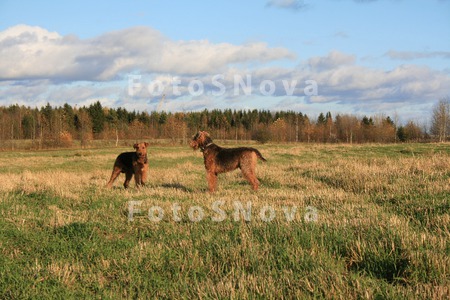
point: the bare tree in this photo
(440, 123)
(347, 127)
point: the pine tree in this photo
(97, 117)
(321, 120)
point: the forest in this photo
(66, 126)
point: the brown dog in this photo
(220, 160)
(131, 163)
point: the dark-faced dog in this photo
(131, 163)
(220, 160)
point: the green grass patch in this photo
(381, 228)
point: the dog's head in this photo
(200, 140)
(141, 149)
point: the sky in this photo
(362, 57)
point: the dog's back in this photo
(124, 161)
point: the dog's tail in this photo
(259, 155)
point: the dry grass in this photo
(382, 229)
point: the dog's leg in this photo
(138, 178)
(248, 171)
(144, 174)
(249, 175)
(212, 181)
(128, 177)
(115, 173)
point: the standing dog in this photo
(220, 160)
(131, 163)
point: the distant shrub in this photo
(65, 139)
(261, 135)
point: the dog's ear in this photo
(146, 144)
(135, 146)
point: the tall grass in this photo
(382, 227)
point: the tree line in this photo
(62, 126)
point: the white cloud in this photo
(39, 66)
(35, 53)
(12, 92)
(411, 55)
(332, 60)
(202, 57)
(355, 85)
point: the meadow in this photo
(329, 222)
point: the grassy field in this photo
(329, 221)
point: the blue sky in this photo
(369, 57)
